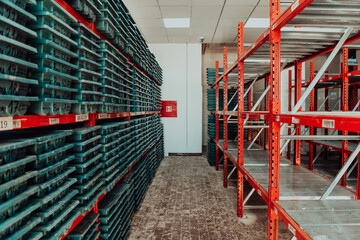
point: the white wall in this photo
(181, 64)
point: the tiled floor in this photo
(187, 201)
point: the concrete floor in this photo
(187, 201)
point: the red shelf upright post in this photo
(267, 107)
(297, 143)
(249, 109)
(289, 108)
(312, 108)
(345, 107)
(240, 155)
(217, 118)
(274, 126)
(225, 117)
(326, 131)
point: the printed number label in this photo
(53, 121)
(82, 117)
(295, 120)
(262, 117)
(292, 229)
(17, 123)
(6, 123)
(104, 115)
(328, 123)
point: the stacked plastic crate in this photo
(211, 75)
(14, 68)
(86, 229)
(16, 204)
(54, 58)
(56, 194)
(87, 8)
(111, 79)
(126, 85)
(89, 88)
(115, 211)
(114, 138)
(88, 166)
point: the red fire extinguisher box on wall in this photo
(168, 109)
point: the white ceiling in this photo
(215, 20)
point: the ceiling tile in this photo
(208, 2)
(203, 22)
(156, 39)
(242, 2)
(145, 12)
(174, 2)
(202, 31)
(176, 12)
(178, 31)
(153, 31)
(179, 39)
(236, 12)
(206, 12)
(230, 22)
(142, 3)
(149, 23)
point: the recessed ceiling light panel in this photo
(176, 22)
(257, 23)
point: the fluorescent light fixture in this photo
(257, 23)
(176, 22)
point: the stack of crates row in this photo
(232, 125)
(51, 64)
(114, 21)
(50, 177)
(211, 75)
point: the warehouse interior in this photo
(189, 119)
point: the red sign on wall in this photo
(169, 109)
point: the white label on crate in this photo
(262, 117)
(330, 148)
(81, 117)
(6, 123)
(53, 121)
(104, 115)
(292, 229)
(277, 118)
(295, 5)
(295, 120)
(259, 192)
(17, 123)
(328, 123)
(349, 74)
(330, 78)
(118, 115)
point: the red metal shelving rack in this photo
(340, 121)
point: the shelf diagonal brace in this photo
(255, 138)
(245, 94)
(322, 70)
(232, 172)
(341, 172)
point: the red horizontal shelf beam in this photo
(32, 121)
(250, 50)
(91, 26)
(79, 218)
(342, 123)
(291, 224)
(329, 146)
